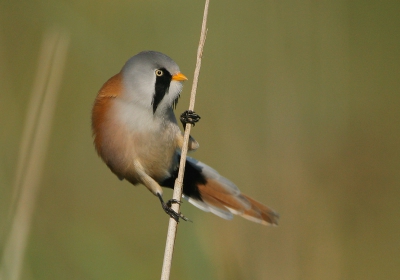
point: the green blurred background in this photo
(300, 107)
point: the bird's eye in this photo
(159, 72)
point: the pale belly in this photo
(156, 151)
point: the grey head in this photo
(149, 80)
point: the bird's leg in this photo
(189, 117)
(167, 208)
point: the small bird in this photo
(137, 135)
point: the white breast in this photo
(145, 137)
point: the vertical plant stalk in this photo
(172, 227)
(33, 148)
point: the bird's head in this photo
(152, 79)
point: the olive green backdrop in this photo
(300, 107)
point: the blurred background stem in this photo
(33, 148)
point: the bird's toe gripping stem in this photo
(189, 116)
(167, 208)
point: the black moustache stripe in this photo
(161, 88)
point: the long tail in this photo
(206, 189)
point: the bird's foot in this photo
(172, 213)
(189, 116)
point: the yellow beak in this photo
(179, 77)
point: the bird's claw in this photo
(173, 201)
(189, 116)
(172, 213)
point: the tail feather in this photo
(208, 207)
(214, 190)
(260, 213)
(221, 197)
(217, 207)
